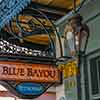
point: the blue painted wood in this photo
(10, 8)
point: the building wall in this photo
(91, 13)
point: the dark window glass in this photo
(94, 76)
(86, 80)
(99, 69)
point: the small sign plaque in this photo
(26, 72)
(30, 88)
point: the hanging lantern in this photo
(76, 34)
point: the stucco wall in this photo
(91, 14)
(89, 10)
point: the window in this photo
(95, 75)
(92, 75)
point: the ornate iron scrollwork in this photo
(9, 8)
(16, 52)
(8, 48)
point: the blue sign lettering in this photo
(30, 88)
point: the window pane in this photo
(94, 76)
(99, 69)
(86, 80)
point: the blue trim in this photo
(10, 8)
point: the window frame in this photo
(88, 57)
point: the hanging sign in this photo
(26, 90)
(29, 72)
